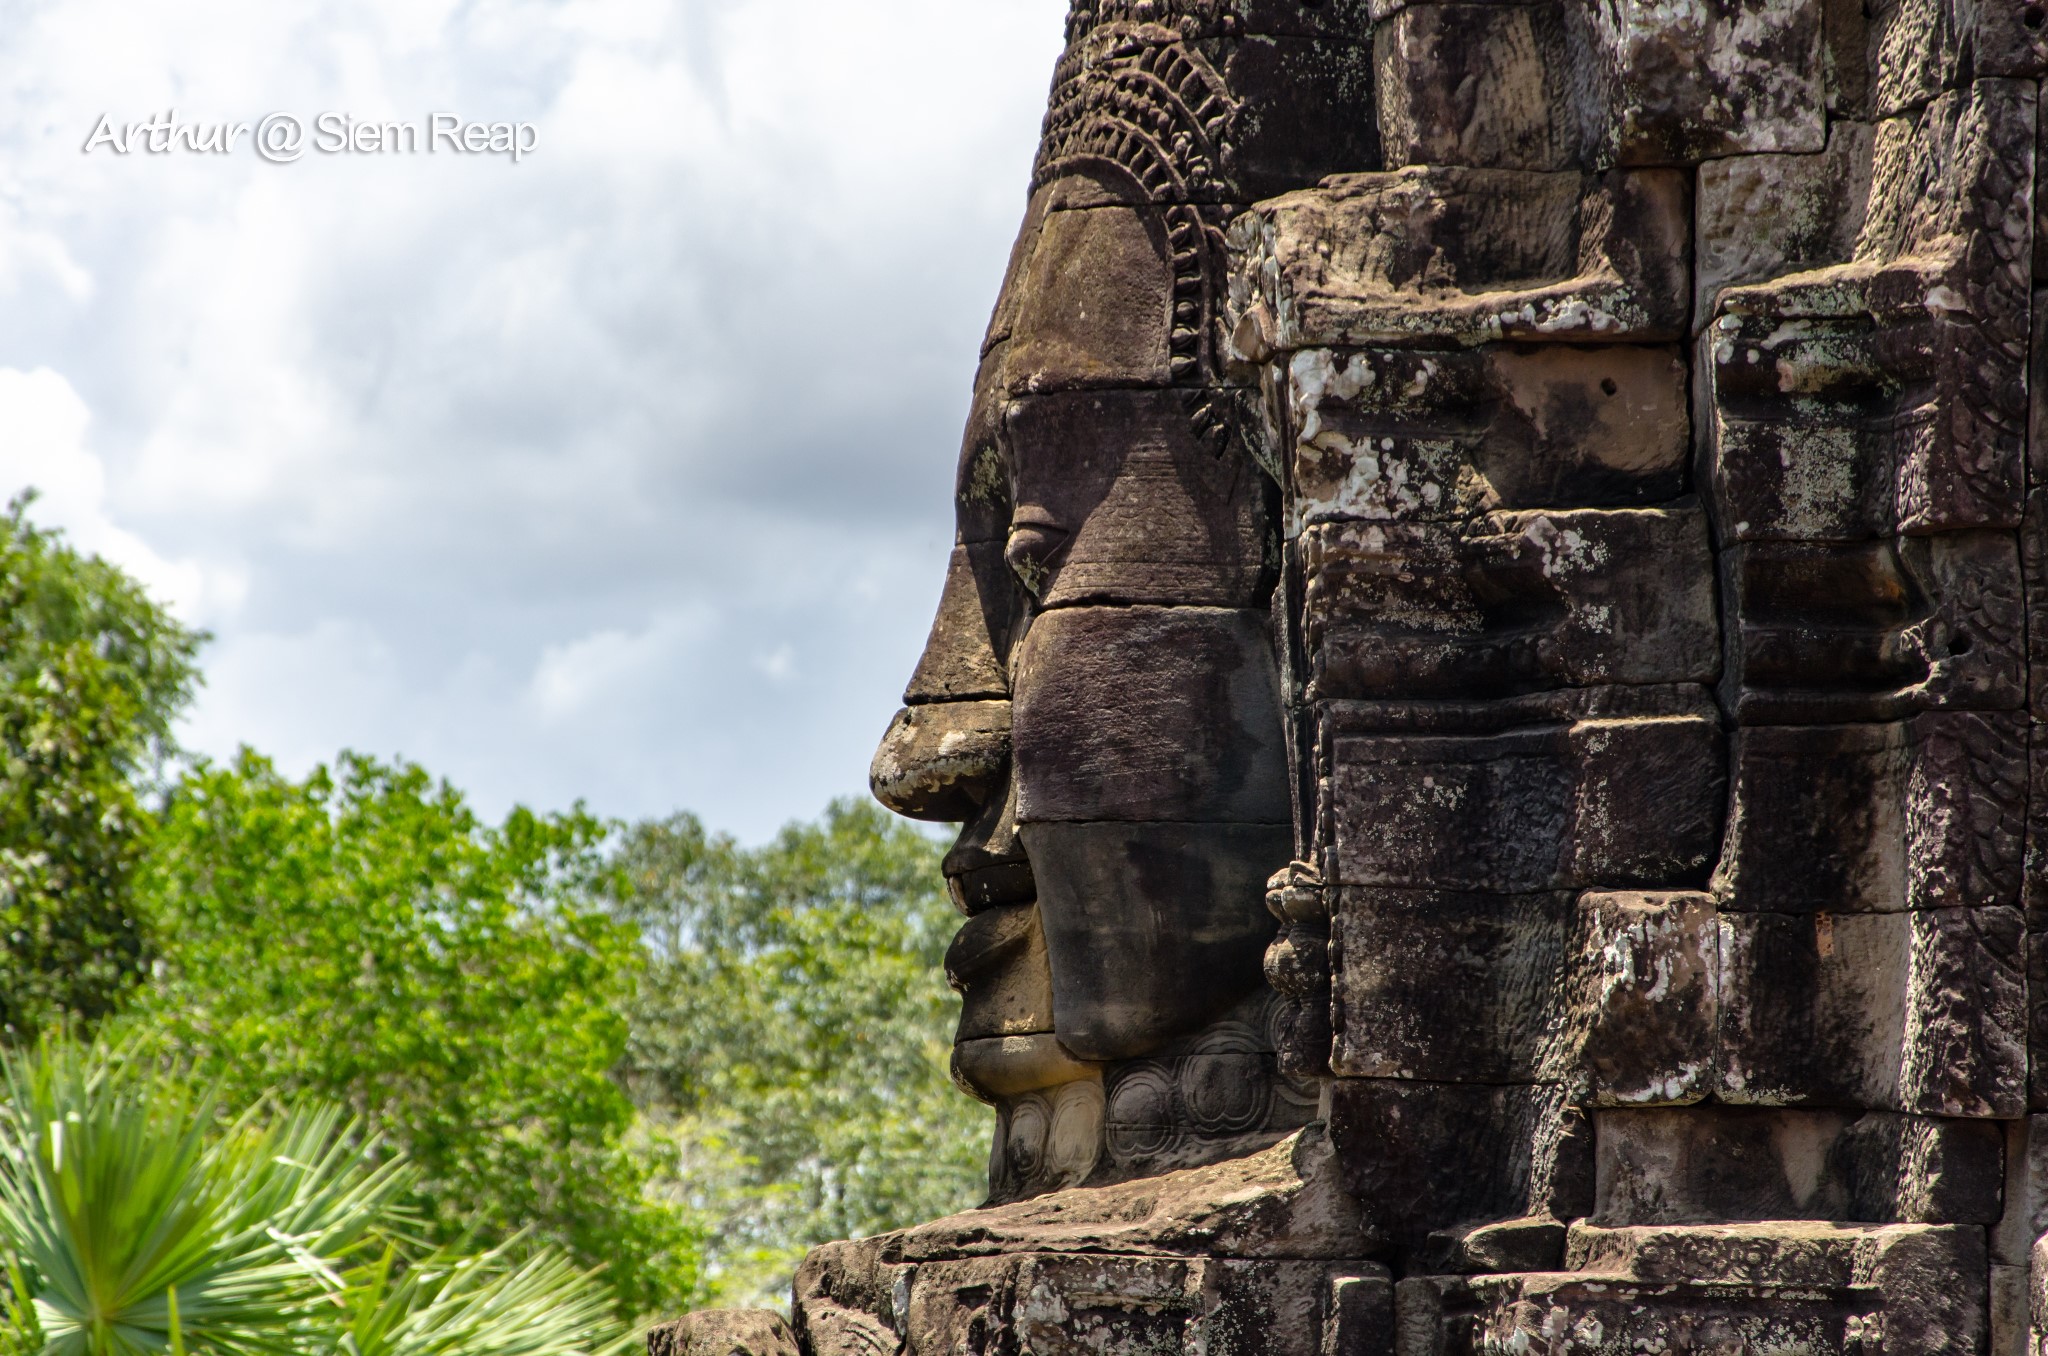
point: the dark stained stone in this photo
(1450, 988)
(1152, 928)
(1921, 1012)
(1323, 124)
(1598, 803)
(1510, 602)
(1120, 500)
(1922, 814)
(1874, 630)
(1489, 85)
(1712, 1164)
(1148, 714)
(1421, 1157)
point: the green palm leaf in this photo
(448, 1304)
(117, 1194)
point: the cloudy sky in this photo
(619, 473)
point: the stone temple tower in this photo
(1494, 674)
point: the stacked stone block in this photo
(1564, 472)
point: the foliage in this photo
(791, 1034)
(60, 598)
(360, 935)
(92, 674)
(133, 1222)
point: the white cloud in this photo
(620, 473)
(47, 450)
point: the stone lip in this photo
(1283, 1203)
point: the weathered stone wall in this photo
(1559, 471)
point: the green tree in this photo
(92, 675)
(791, 1034)
(361, 935)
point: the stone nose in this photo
(942, 761)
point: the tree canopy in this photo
(360, 935)
(790, 1035)
(92, 675)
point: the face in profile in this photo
(1099, 704)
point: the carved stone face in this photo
(1099, 702)
(1110, 582)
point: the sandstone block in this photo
(1922, 48)
(965, 655)
(998, 963)
(2025, 1217)
(1394, 435)
(1761, 216)
(1726, 77)
(1643, 1029)
(1421, 1157)
(1533, 1244)
(1095, 303)
(1914, 427)
(1510, 602)
(1874, 630)
(723, 1332)
(1898, 1288)
(1597, 803)
(1449, 987)
(998, 1069)
(1489, 85)
(1888, 393)
(1149, 714)
(1547, 86)
(1919, 1012)
(981, 479)
(2033, 553)
(1312, 117)
(987, 865)
(1463, 256)
(1120, 500)
(1152, 929)
(1819, 1289)
(1284, 1201)
(1922, 814)
(1123, 1305)
(1708, 1164)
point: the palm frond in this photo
(138, 1227)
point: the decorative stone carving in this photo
(1499, 625)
